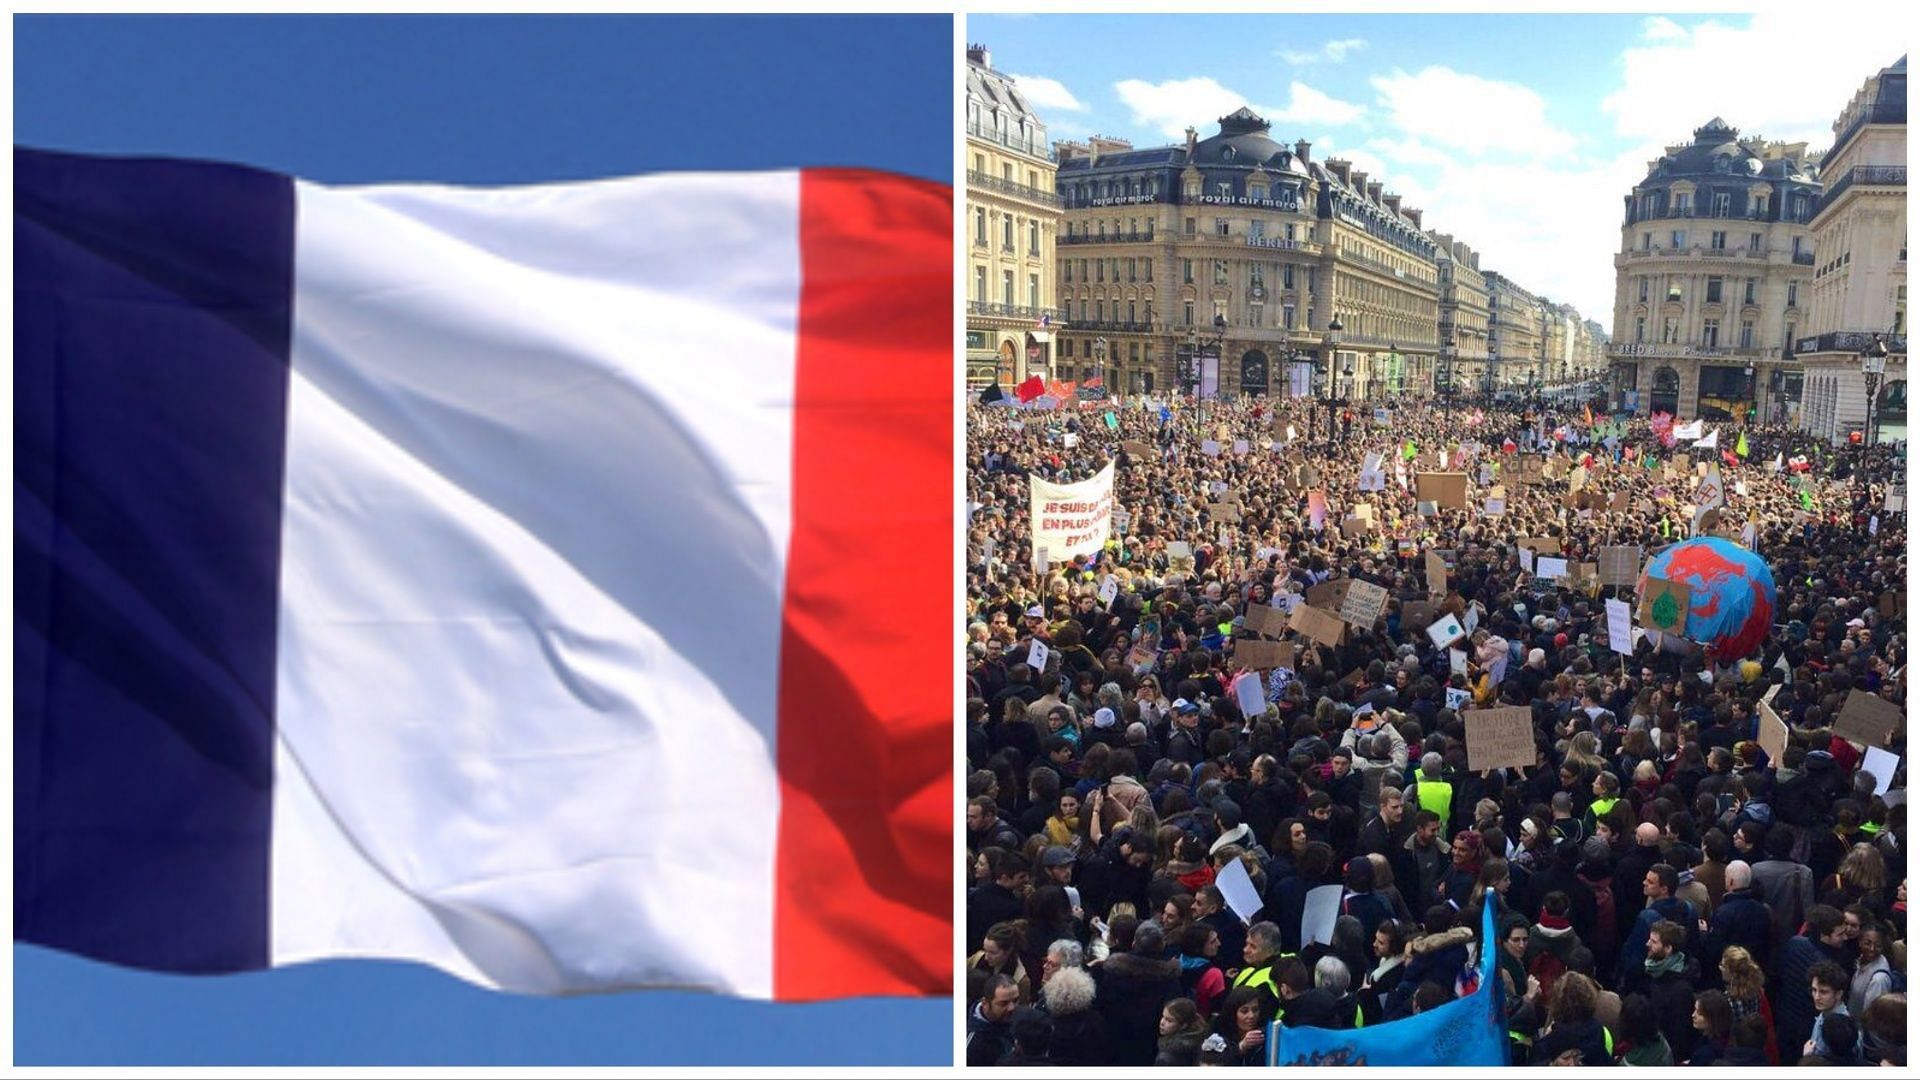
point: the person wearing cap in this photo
(1186, 743)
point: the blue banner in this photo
(1467, 1031)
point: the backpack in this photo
(1606, 925)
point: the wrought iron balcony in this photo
(1109, 238)
(1883, 175)
(1008, 187)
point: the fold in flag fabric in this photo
(483, 578)
(1031, 389)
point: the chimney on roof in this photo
(1373, 190)
(979, 55)
(1413, 216)
(1391, 201)
(1193, 138)
(1359, 181)
(1300, 150)
(1067, 150)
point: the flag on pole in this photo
(1740, 447)
(479, 577)
(1031, 389)
(1711, 442)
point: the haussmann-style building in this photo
(1013, 219)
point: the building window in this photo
(980, 163)
(1796, 245)
(1006, 172)
(1066, 348)
(1722, 202)
(1753, 242)
(1713, 290)
(1670, 333)
(1678, 238)
(1746, 333)
(1188, 313)
(1192, 225)
(1640, 330)
(1683, 204)
(1186, 271)
(1033, 290)
(1255, 313)
(1719, 240)
(1221, 226)
(1643, 290)
(1256, 191)
(1099, 269)
(1147, 267)
(1793, 294)
(1224, 189)
(1219, 271)
(1219, 310)
(1286, 316)
(1131, 312)
(1006, 232)
(1066, 271)
(1710, 335)
(1257, 275)
(1760, 205)
(1256, 229)
(1286, 276)
(1100, 310)
(1148, 312)
(1033, 238)
(1673, 290)
(1746, 296)
(1006, 286)
(980, 226)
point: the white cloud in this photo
(1044, 93)
(1410, 151)
(1310, 106)
(1169, 107)
(1785, 75)
(1332, 52)
(1661, 28)
(1470, 114)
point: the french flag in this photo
(529, 582)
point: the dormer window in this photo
(1257, 191)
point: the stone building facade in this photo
(1012, 224)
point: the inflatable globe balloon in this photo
(1730, 593)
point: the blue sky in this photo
(471, 100)
(1519, 134)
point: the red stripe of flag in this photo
(864, 877)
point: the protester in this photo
(1146, 722)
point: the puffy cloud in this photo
(1784, 75)
(1470, 114)
(1333, 52)
(1044, 93)
(1169, 107)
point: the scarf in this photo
(1656, 968)
(1555, 923)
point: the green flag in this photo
(1409, 451)
(1741, 446)
(1113, 424)
(1806, 500)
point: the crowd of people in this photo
(1664, 892)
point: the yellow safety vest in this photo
(1437, 796)
(1601, 806)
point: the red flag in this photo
(1031, 389)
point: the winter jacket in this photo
(1742, 920)
(1130, 991)
(1792, 999)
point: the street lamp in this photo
(1100, 360)
(1753, 392)
(1448, 351)
(1333, 345)
(1873, 364)
(1776, 382)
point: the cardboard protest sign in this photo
(1266, 620)
(1577, 479)
(1355, 527)
(1542, 545)
(1310, 476)
(1365, 602)
(1619, 627)
(1619, 565)
(1436, 574)
(1221, 511)
(1663, 606)
(1137, 449)
(1893, 603)
(1499, 738)
(1867, 719)
(1773, 735)
(1446, 631)
(1263, 655)
(1447, 489)
(1318, 625)
(1618, 502)
(1328, 594)
(1180, 551)
(1141, 655)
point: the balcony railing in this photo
(1882, 112)
(1009, 187)
(1013, 311)
(1803, 258)
(1030, 146)
(1109, 238)
(1113, 327)
(1886, 175)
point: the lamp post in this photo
(1776, 382)
(1873, 364)
(1753, 393)
(1448, 351)
(1333, 345)
(1100, 360)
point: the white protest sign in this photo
(1873, 525)
(1881, 764)
(1620, 627)
(1473, 618)
(1457, 661)
(1250, 694)
(1037, 655)
(1209, 447)
(1317, 918)
(1238, 891)
(1109, 589)
(1457, 699)
(1071, 519)
(1549, 568)
(1496, 507)
(1240, 446)
(1526, 559)
(1445, 631)
(1070, 440)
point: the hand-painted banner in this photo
(1072, 519)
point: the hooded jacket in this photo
(1131, 989)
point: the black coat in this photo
(988, 904)
(1743, 920)
(1081, 1039)
(1130, 991)
(1793, 1010)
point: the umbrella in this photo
(1730, 590)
